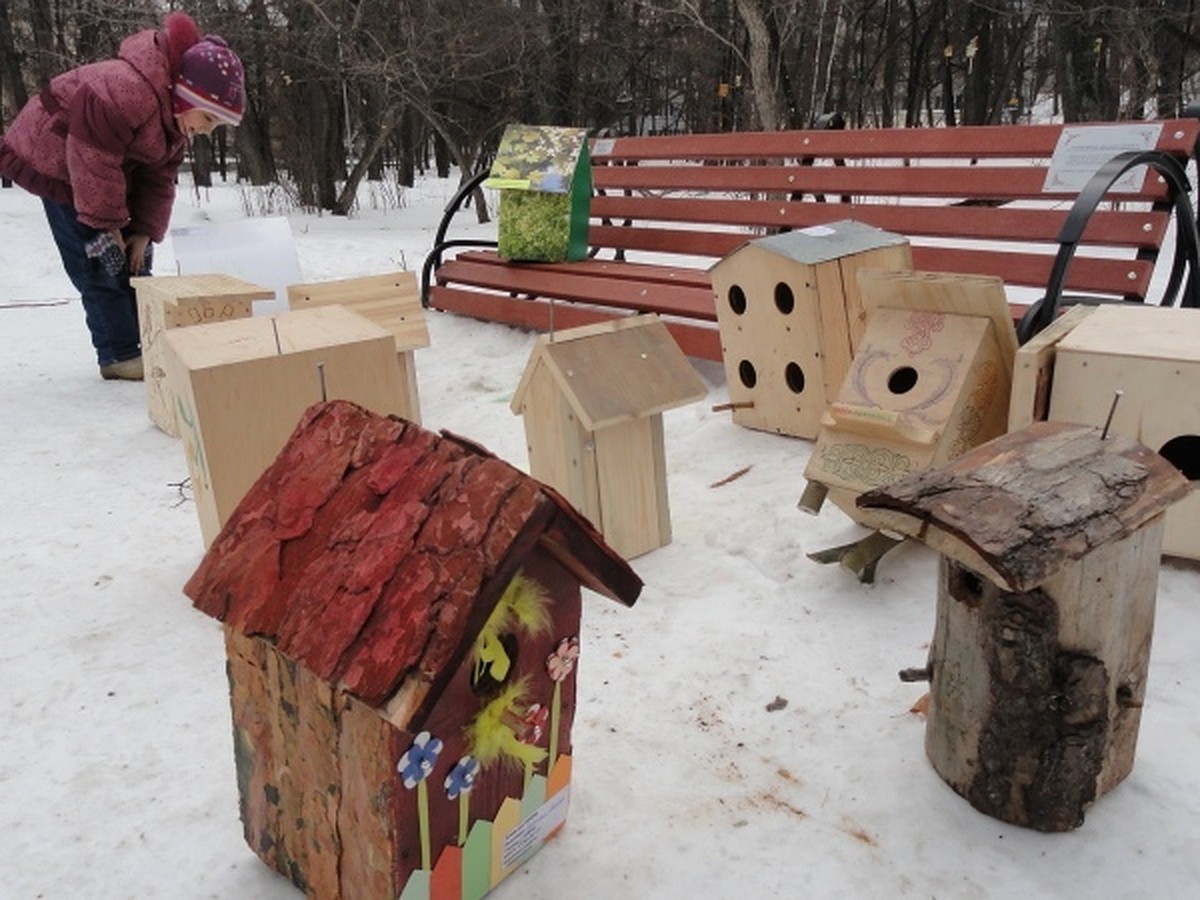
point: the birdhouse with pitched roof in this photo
(545, 184)
(791, 317)
(592, 400)
(929, 381)
(401, 615)
(1049, 540)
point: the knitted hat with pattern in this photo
(210, 78)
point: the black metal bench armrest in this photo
(1187, 241)
(434, 258)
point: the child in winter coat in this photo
(101, 145)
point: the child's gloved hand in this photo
(108, 252)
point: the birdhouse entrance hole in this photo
(747, 373)
(1183, 453)
(903, 380)
(794, 376)
(785, 300)
(737, 300)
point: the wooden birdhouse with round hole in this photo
(929, 380)
(1049, 540)
(402, 615)
(790, 316)
(1071, 371)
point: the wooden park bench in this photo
(970, 200)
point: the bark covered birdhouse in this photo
(929, 381)
(1049, 540)
(402, 616)
(1071, 371)
(592, 400)
(791, 317)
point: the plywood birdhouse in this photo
(930, 380)
(402, 616)
(1072, 371)
(392, 301)
(166, 302)
(1049, 540)
(241, 385)
(592, 400)
(791, 317)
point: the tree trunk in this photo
(768, 105)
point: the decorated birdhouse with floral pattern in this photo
(929, 381)
(401, 614)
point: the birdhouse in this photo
(393, 302)
(930, 380)
(176, 302)
(401, 614)
(241, 385)
(545, 182)
(1049, 540)
(791, 317)
(592, 400)
(1072, 371)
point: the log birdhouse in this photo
(592, 400)
(791, 317)
(930, 380)
(1049, 540)
(1070, 372)
(401, 616)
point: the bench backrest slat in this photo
(1145, 229)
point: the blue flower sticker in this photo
(462, 777)
(418, 761)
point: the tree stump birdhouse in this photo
(402, 615)
(393, 302)
(791, 317)
(592, 400)
(1071, 371)
(1049, 540)
(166, 302)
(930, 380)
(240, 386)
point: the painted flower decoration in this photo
(534, 722)
(462, 777)
(561, 662)
(419, 759)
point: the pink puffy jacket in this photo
(103, 138)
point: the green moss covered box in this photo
(545, 185)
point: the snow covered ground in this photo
(741, 731)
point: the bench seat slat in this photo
(680, 300)
(699, 340)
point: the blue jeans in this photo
(109, 302)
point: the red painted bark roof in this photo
(362, 549)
